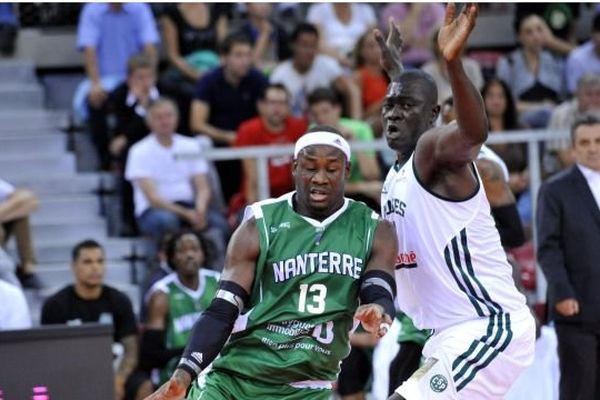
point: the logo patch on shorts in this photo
(438, 383)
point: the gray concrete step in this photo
(48, 144)
(57, 274)
(64, 184)
(80, 205)
(12, 71)
(115, 250)
(69, 232)
(14, 166)
(21, 96)
(31, 121)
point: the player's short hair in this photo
(231, 40)
(323, 94)
(277, 86)
(304, 27)
(139, 61)
(84, 244)
(584, 119)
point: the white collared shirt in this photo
(139, 109)
(593, 179)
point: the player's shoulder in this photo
(115, 295)
(210, 273)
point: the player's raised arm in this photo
(458, 144)
(391, 48)
(213, 327)
(378, 287)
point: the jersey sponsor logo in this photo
(406, 260)
(185, 322)
(328, 262)
(394, 206)
(438, 383)
(283, 225)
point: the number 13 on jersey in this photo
(315, 294)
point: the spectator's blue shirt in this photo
(230, 105)
(116, 36)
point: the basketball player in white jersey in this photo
(452, 273)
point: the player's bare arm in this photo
(213, 328)
(496, 188)
(455, 146)
(391, 48)
(378, 286)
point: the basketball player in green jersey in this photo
(298, 266)
(176, 301)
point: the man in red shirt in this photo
(276, 126)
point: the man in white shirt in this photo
(169, 177)
(307, 71)
(14, 313)
(568, 226)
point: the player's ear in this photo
(347, 168)
(294, 167)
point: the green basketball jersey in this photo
(185, 306)
(304, 296)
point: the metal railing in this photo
(531, 137)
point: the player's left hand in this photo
(373, 319)
(455, 31)
(171, 390)
(391, 49)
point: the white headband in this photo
(322, 138)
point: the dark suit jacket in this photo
(568, 227)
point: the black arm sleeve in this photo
(509, 225)
(379, 287)
(153, 353)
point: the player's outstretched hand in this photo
(391, 61)
(171, 390)
(453, 35)
(373, 319)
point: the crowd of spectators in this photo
(236, 75)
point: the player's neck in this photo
(87, 292)
(190, 282)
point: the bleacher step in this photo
(49, 144)
(21, 96)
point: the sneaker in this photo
(29, 280)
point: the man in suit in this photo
(568, 226)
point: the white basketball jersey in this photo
(451, 266)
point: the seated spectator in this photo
(14, 313)
(586, 101)
(16, 205)
(170, 185)
(364, 182)
(225, 97)
(307, 71)
(371, 80)
(9, 25)
(109, 34)
(273, 126)
(192, 33)
(417, 22)
(436, 69)
(534, 75)
(269, 38)
(560, 20)
(90, 300)
(585, 58)
(174, 304)
(340, 26)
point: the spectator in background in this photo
(586, 101)
(9, 25)
(417, 22)
(225, 97)
(340, 26)
(273, 126)
(169, 177)
(192, 33)
(560, 22)
(436, 69)
(16, 205)
(269, 38)
(14, 313)
(585, 58)
(90, 300)
(174, 304)
(371, 80)
(364, 182)
(307, 71)
(568, 227)
(109, 34)
(502, 117)
(535, 76)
